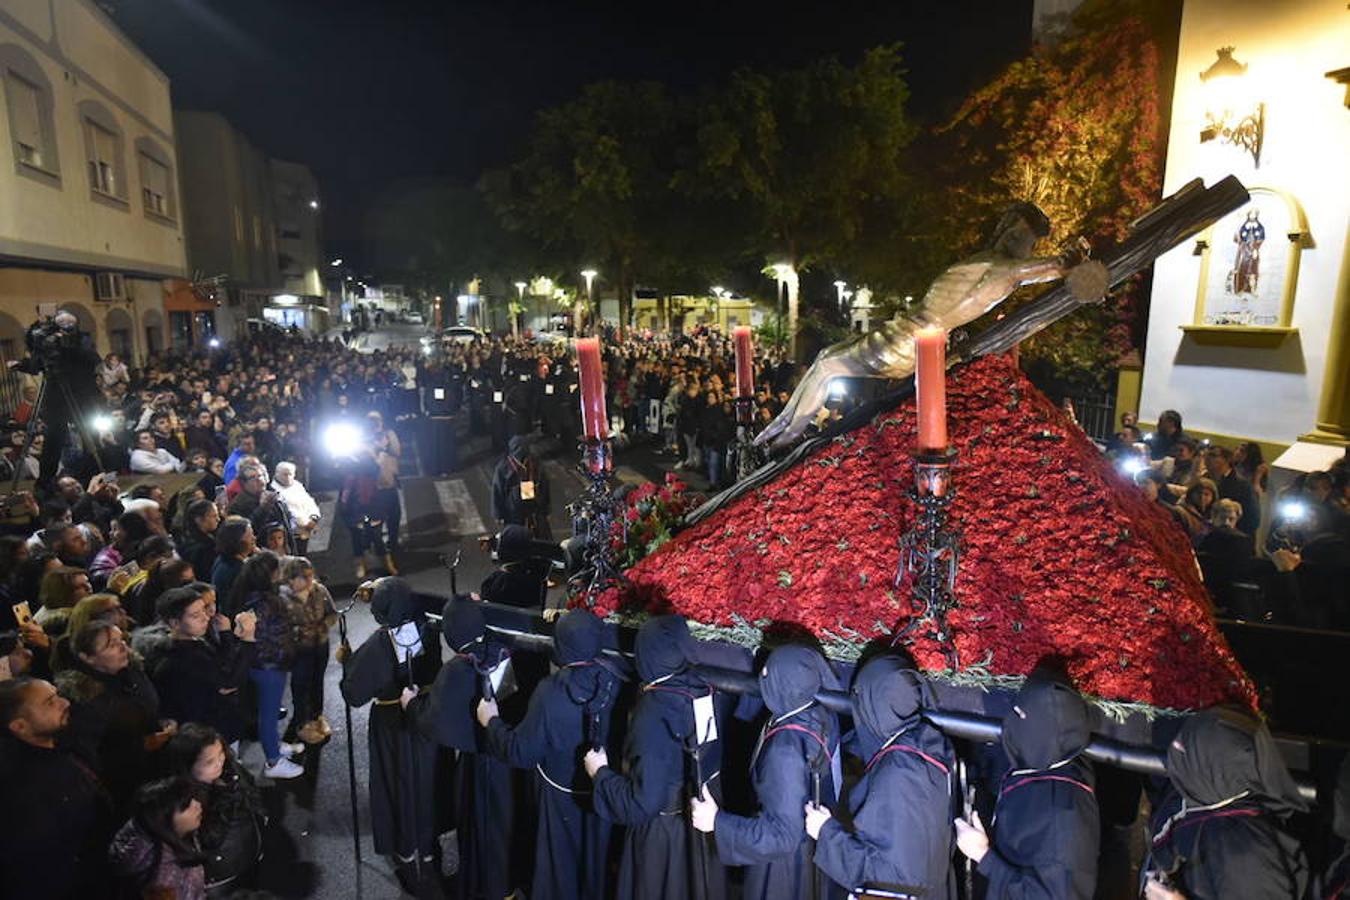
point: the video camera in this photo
(50, 342)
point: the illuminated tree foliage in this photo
(1076, 129)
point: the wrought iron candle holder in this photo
(595, 511)
(748, 457)
(930, 553)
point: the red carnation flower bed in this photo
(1062, 555)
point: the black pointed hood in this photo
(1049, 723)
(888, 696)
(1221, 753)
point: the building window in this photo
(119, 341)
(25, 119)
(156, 186)
(104, 156)
(109, 286)
(102, 159)
(28, 102)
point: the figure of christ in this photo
(961, 294)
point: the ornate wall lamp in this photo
(1231, 115)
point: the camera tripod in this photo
(40, 412)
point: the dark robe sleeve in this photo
(446, 715)
(780, 826)
(894, 829)
(368, 670)
(1245, 858)
(525, 745)
(654, 768)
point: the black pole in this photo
(351, 748)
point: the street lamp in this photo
(839, 292)
(314, 204)
(515, 314)
(336, 262)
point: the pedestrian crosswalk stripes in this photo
(459, 508)
(455, 504)
(323, 535)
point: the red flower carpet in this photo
(1062, 555)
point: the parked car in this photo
(414, 318)
(463, 334)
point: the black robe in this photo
(900, 832)
(1046, 825)
(402, 760)
(492, 856)
(664, 858)
(1046, 832)
(1228, 839)
(1238, 851)
(773, 844)
(572, 842)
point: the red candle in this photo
(745, 362)
(930, 352)
(594, 420)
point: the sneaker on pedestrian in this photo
(289, 750)
(283, 768)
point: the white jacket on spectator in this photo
(160, 462)
(304, 511)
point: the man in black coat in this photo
(66, 355)
(520, 490)
(58, 816)
(1219, 465)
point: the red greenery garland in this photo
(1062, 555)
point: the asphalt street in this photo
(309, 846)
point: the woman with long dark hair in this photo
(199, 536)
(230, 836)
(235, 542)
(256, 591)
(155, 853)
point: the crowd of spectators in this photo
(1281, 557)
(149, 631)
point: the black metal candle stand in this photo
(596, 511)
(930, 553)
(748, 456)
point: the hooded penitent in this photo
(1048, 724)
(1221, 832)
(888, 700)
(665, 651)
(589, 680)
(900, 809)
(392, 603)
(1223, 753)
(518, 447)
(1046, 822)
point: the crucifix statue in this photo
(961, 294)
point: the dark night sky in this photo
(369, 92)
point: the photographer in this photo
(60, 351)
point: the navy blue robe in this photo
(901, 812)
(571, 842)
(664, 858)
(773, 844)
